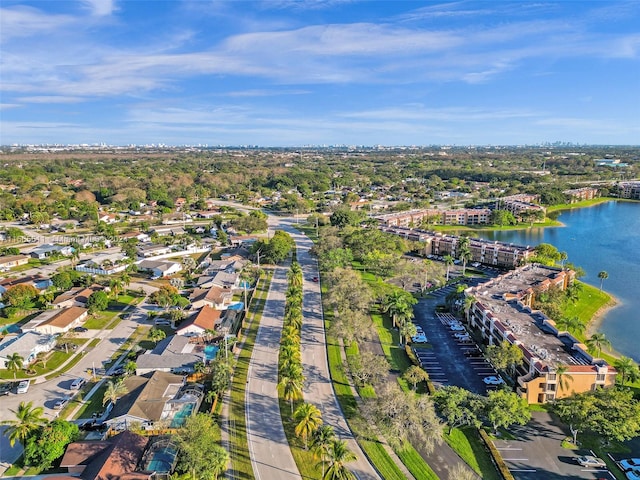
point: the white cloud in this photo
(51, 99)
(100, 8)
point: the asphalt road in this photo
(269, 450)
(318, 387)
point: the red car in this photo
(315, 279)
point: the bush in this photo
(495, 455)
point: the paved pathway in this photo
(318, 388)
(269, 450)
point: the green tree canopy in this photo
(49, 442)
(200, 454)
(98, 301)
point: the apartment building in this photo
(503, 312)
(413, 218)
(579, 194)
(518, 204)
(630, 190)
(491, 253)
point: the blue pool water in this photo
(12, 328)
(210, 352)
(181, 416)
(162, 460)
(236, 306)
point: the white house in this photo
(62, 321)
(159, 268)
(27, 345)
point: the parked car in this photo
(91, 425)
(81, 329)
(316, 279)
(419, 330)
(632, 474)
(78, 383)
(630, 463)
(419, 339)
(493, 380)
(5, 388)
(61, 403)
(118, 371)
(23, 386)
(457, 328)
(591, 461)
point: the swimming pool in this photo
(210, 352)
(181, 416)
(11, 328)
(162, 460)
(236, 306)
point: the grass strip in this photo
(239, 447)
(466, 443)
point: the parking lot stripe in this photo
(508, 448)
(522, 470)
(515, 459)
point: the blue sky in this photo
(312, 72)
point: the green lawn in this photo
(469, 446)
(93, 405)
(99, 320)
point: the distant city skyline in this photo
(313, 72)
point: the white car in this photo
(630, 463)
(23, 387)
(632, 474)
(456, 328)
(493, 380)
(591, 462)
(419, 339)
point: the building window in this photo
(550, 396)
(552, 377)
(551, 387)
(600, 377)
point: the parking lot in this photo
(449, 359)
(535, 452)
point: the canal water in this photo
(604, 237)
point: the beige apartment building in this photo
(579, 194)
(413, 218)
(519, 204)
(503, 312)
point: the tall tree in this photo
(459, 406)
(115, 389)
(596, 342)
(563, 377)
(291, 384)
(602, 276)
(338, 455)
(464, 252)
(414, 375)
(309, 420)
(571, 324)
(627, 370)
(14, 362)
(28, 420)
(448, 261)
(504, 409)
(505, 357)
(49, 442)
(321, 442)
(156, 334)
(200, 453)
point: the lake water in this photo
(604, 237)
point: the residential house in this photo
(47, 249)
(27, 345)
(107, 217)
(156, 398)
(225, 280)
(198, 323)
(10, 261)
(173, 354)
(76, 297)
(159, 268)
(104, 264)
(39, 282)
(164, 231)
(139, 236)
(147, 250)
(116, 458)
(61, 321)
(214, 297)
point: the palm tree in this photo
(115, 284)
(338, 455)
(448, 261)
(114, 391)
(562, 376)
(156, 334)
(571, 325)
(309, 420)
(627, 370)
(28, 419)
(130, 367)
(399, 304)
(294, 275)
(14, 362)
(291, 384)
(596, 342)
(126, 278)
(407, 329)
(320, 442)
(464, 252)
(602, 276)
